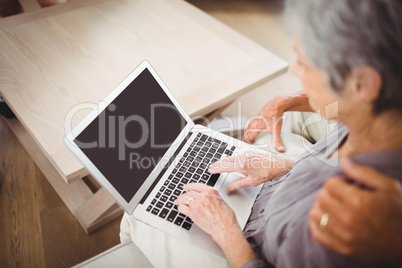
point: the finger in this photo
(276, 135)
(255, 127)
(338, 188)
(335, 212)
(326, 239)
(250, 135)
(242, 183)
(196, 188)
(225, 160)
(367, 176)
(327, 203)
(228, 164)
(183, 199)
(186, 210)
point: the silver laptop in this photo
(142, 148)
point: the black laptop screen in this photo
(128, 139)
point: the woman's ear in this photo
(367, 83)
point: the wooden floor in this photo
(36, 228)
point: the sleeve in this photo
(299, 249)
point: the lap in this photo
(163, 250)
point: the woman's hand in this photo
(362, 223)
(207, 209)
(256, 167)
(270, 118)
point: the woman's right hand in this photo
(270, 118)
(256, 167)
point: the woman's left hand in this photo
(208, 210)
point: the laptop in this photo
(142, 147)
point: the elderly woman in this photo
(349, 54)
(349, 61)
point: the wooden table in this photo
(57, 60)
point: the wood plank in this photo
(73, 195)
(99, 209)
(92, 211)
(55, 65)
(37, 229)
(69, 166)
(66, 243)
(21, 234)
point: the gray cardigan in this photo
(278, 226)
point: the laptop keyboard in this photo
(191, 168)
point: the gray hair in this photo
(340, 35)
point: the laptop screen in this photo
(128, 139)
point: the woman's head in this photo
(340, 37)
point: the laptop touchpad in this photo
(239, 200)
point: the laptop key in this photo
(164, 213)
(179, 221)
(155, 211)
(191, 169)
(172, 186)
(168, 192)
(149, 208)
(159, 205)
(187, 225)
(203, 137)
(169, 205)
(213, 179)
(164, 198)
(172, 215)
(177, 192)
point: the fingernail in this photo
(281, 148)
(230, 190)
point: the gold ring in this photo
(188, 201)
(324, 221)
